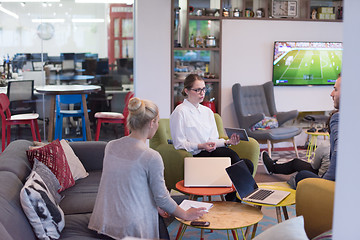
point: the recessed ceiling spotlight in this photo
(44, 4)
(60, 5)
(22, 4)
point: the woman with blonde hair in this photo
(132, 191)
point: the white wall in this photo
(247, 56)
(152, 53)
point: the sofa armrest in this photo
(315, 201)
(248, 150)
(173, 163)
(90, 153)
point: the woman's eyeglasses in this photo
(199, 90)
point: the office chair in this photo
(7, 120)
(21, 96)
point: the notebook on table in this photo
(247, 188)
(206, 172)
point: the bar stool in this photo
(7, 120)
(62, 113)
(113, 117)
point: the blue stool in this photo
(62, 113)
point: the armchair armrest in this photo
(248, 150)
(283, 117)
(173, 164)
(252, 119)
(315, 201)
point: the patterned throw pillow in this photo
(77, 169)
(266, 123)
(324, 236)
(45, 216)
(49, 178)
(53, 156)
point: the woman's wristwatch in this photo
(227, 144)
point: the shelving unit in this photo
(194, 20)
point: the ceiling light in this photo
(105, 1)
(90, 20)
(49, 20)
(8, 12)
(22, 4)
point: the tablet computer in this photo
(239, 131)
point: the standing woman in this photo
(132, 189)
(193, 125)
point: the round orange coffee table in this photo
(204, 191)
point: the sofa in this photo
(77, 201)
(174, 159)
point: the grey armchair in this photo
(252, 104)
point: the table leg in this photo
(52, 118)
(286, 216)
(201, 234)
(255, 226)
(181, 232)
(86, 116)
(235, 234)
(278, 214)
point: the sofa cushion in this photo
(12, 216)
(90, 153)
(290, 229)
(39, 205)
(77, 169)
(53, 156)
(77, 228)
(49, 178)
(14, 159)
(81, 197)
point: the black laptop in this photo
(247, 188)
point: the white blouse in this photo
(190, 126)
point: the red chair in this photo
(7, 120)
(113, 117)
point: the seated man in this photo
(307, 172)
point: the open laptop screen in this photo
(241, 178)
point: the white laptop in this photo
(206, 172)
(247, 188)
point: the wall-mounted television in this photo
(299, 63)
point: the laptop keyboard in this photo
(261, 194)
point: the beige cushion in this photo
(77, 169)
(109, 115)
(290, 229)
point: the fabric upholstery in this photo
(253, 103)
(49, 178)
(14, 159)
(12, 216)
(290, 229)
(15, 168)
(174, 159)
(78, 228)
(315, 201)
(77, 169)
(45, 216)
(81, 197)
(53, 156)
(91, 160)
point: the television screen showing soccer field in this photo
(306, 63)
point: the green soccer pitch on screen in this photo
(306, 63)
